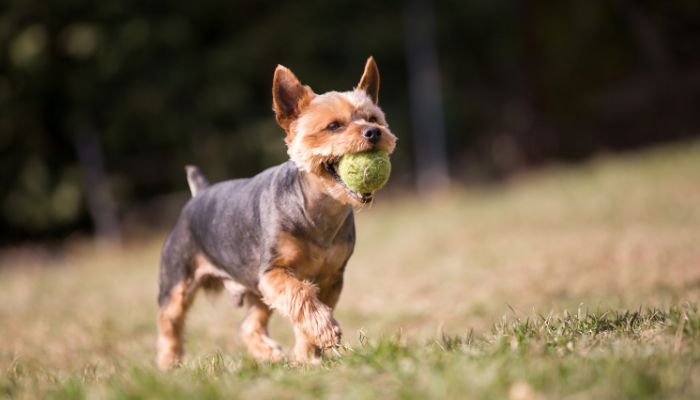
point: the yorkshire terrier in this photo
(281, 239)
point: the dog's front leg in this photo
(328, 295)
(298, 301)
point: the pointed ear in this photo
(370, 80)
(289, 96)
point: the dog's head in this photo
(322, 128)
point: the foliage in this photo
(172, 83)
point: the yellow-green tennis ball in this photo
(364, 172)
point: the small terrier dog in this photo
(281, 239)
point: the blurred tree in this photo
(431, 163)
(97, 192)
(165, 84)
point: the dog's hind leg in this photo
(171, 324)
(177, 290)
(253, 330)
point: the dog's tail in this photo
(196, 179)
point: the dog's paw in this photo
(327, 332)
(168, 359)
(310, 362)
(265, 349)
(302, 358)
(275, 353)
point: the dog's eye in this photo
(334, 126)
(372, 119)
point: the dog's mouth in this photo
(331, 167)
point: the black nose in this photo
(372, 134)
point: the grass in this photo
(632, 355)
(475, 295)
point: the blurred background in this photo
(561, 137)
(102, 103)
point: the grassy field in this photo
(569, 282)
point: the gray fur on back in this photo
(235, 224)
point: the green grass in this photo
(475, 295)
(634, 355)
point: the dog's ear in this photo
(370, 80)
(289, 96)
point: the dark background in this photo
(102, 103)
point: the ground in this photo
(571, 281)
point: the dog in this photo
(281, 239)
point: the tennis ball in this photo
(364, 172)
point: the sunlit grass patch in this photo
(616, 354)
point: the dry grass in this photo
(618, 232)
(615, 232)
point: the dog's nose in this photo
(372, 134)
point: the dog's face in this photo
(322, 128)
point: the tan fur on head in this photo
(290, 97)
(370, 80)
(306, 116)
